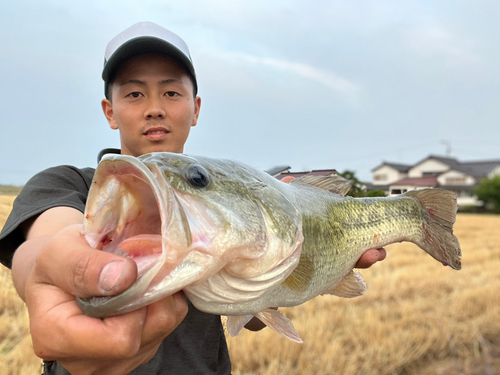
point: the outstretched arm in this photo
(54, 265)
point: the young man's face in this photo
(152, 105)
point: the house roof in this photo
(398, 167)
(473, 168)
(323, 172)
(292, 174)
(417, 181)
(479, 168)
(275, 171)
(453, 163)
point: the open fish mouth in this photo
(187, 222)
(133, 212)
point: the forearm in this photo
(23, 261)
(38, 231)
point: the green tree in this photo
(488, 190)
(376, 193)
(356, 189)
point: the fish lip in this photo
(105, 306)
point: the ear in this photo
(197, 105)
(107, 108)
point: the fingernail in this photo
(110, 275)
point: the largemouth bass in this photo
(240, 243)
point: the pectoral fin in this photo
(352, 285)
(300, 279)
(279, 323)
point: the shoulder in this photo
(64, 185)
(63, 173)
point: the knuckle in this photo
(166, 322)
(41, 262)
(127, 347)
(126, 344)
(167, 319)
(80, 272)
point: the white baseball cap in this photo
(141, 38)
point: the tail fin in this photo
(439, 209)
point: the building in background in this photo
(432, 172)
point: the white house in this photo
(435, 171)
(387, 173)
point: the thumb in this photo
(68, 262)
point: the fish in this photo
(238, 242)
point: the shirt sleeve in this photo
(63, 186)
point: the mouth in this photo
(156, 133)
(133, 213)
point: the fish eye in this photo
(197, 176)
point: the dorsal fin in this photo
(335, 183)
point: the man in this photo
(150, 87)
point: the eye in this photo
(134, 94)
(197, 176)
(172, 93)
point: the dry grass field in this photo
(417, 317)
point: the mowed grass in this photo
(10, 190)
(417, 317)
(16, 350)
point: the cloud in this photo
(330, 80)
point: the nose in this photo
(155, 109)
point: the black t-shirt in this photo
(197, 346)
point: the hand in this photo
(369, 257)
(66, 267)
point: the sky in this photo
(311, 85)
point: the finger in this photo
(370, 257)
(64, 332)
(114, 337)
(68, 262)
(382, 254)
(163, 317)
